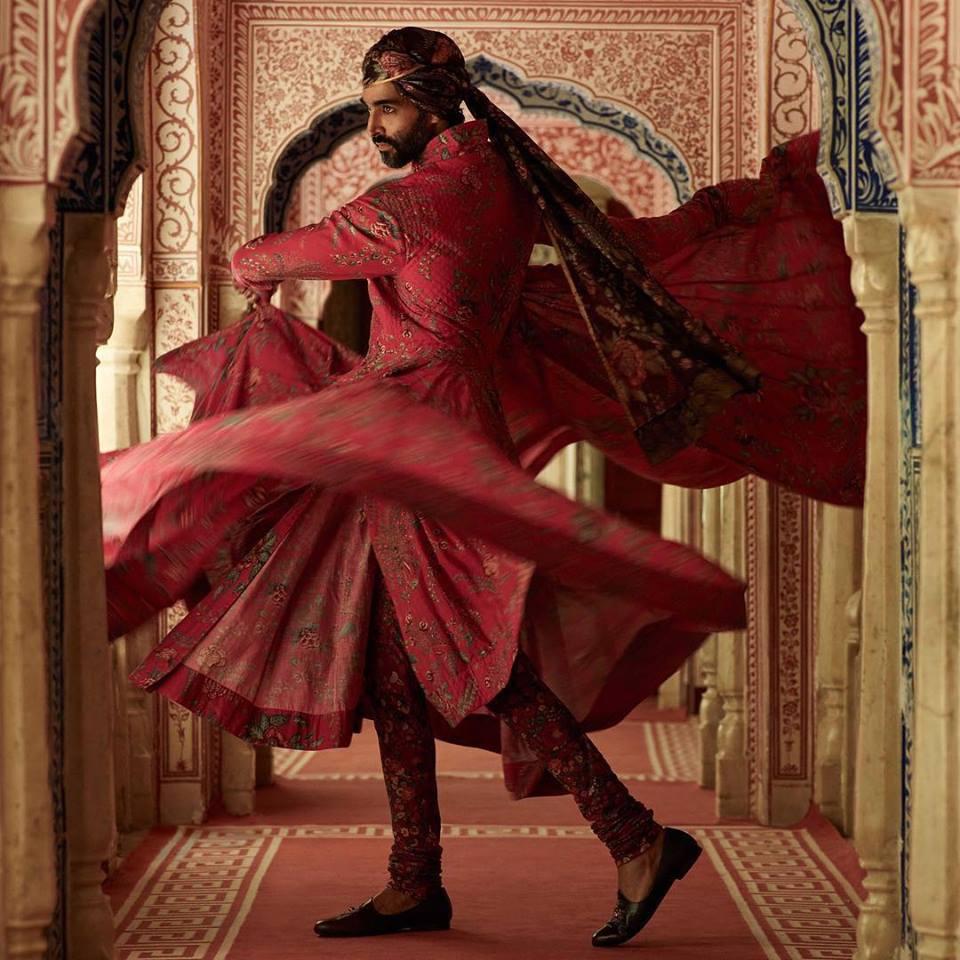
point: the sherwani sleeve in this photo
(361, 240)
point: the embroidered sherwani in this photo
(312, 473)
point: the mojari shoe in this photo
(434, 913)
(680, 853)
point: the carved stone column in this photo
(123, 407)
(733, 773)
(840, 551)
(238, 775)
(872, 241)
(27, 868)
(89, 242)
(931, 217)
(117, 389)
(711, 706)
(680, 521)
(228, 305)
(851, 731)
(135, 755)
(123, 358)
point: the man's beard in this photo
(409, 146)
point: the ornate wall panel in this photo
(22, 68)
(111, 156)
(923, 128)
(175, 133)
(176, 268)
(781, 556)
(277, 80)
(791, 83)
(68, 115)
(855, 163)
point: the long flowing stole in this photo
(762, 263)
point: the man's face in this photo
(398, 128)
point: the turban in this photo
(690, 372)
(426, 67)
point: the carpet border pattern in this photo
(193, 898)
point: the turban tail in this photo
(670, 372)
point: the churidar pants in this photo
(532, 712)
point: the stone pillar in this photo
(238, 775)
(264, 765)
(135, 755)
(117, 389)
(931, 217)
(711, 706)
(732, 769)
(680, 521)
(854, 615)
(840, 551)
(27, 868)
(872, 242)
(230, 305)
(124, 419)
(89, 242)
(590, 474)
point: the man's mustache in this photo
(390, 143)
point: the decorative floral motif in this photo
(270, 104)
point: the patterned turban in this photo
(426, 67)
(626, 310)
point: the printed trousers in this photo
(532, 712)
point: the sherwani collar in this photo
(470, 137)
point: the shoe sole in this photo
(432, 928)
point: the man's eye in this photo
(388, 109)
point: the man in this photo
(450, 243)
(357, 537)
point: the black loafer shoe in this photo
(434, 913)
(680, 852)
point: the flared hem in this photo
(291, 729)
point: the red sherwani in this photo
(274, 519)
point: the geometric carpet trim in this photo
(796, 902)
(194, 897)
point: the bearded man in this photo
(388, 553)
(461, 218)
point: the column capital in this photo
(25, 212)
(872, 242)
(931, 217)
(90, 270)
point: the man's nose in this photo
(374, 126)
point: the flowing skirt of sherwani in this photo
(310, 477)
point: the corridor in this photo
(527, 878)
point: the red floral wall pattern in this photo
(285, 63)
(926, 138)
(794, 96)
(22, 153)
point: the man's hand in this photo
(255, 291)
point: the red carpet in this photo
(527, 879)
